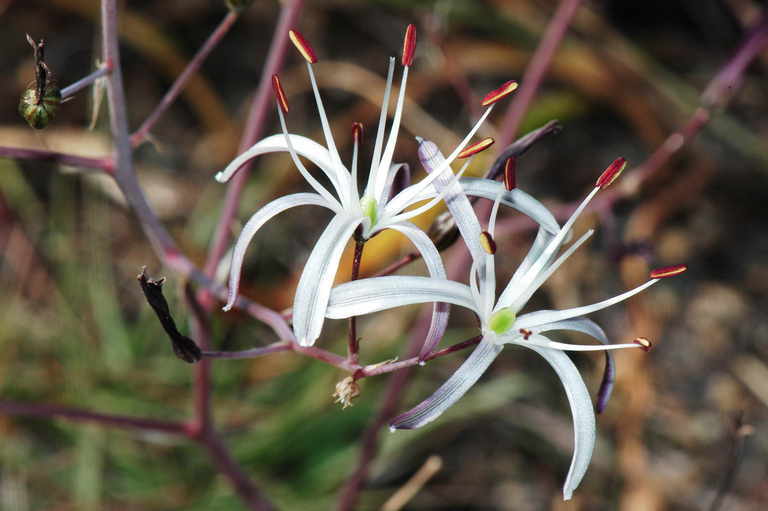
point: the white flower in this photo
(372, 211)
(500, 323)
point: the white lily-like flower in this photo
(376, 209)
(499, 319)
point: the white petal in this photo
(450, 391)
(255, 223)
(324, 119)
(581, 409)
(539, 318)
(407, 196)
(553, 246)
(539, 244)
(516, 199)
(589, 327)
(435, 267)
(455, 199)
(316, 280)
(516, 299)
(381, 293)
(304, 146)
(380, 177)
(380, 133)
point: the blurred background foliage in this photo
(75, 330)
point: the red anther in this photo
(487, 242)
(668, 271)
(279, 94)
(525, 333)
(610, 174)
(409, 45)
(357, 132)
(510, 174)
(644, 343)
(495, 95)
(476, 148)
(303, 46)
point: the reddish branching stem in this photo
(539, 64)
(181, 81)
(81, 415)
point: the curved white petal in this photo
(380, 176)
(316, 280)
(407, 196)
(450, 391)
(539, 244)
(539, 318)
(581, 409)
(518, 297)
(255, 223)
(516, 198)
(376, 159)
(453, 194)
(304, 146)
(435, 267)
(589, 327)
(376, 294)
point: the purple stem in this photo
(85, 82)
(251, 353)
(181, 81)
(80, 415)
(534, 73)
(103, 164)
(253, 129)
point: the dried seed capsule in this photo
(39, 111)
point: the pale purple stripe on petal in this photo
(452, 390)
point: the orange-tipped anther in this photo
(357, 132)
(409, 45)
(303, 46)
(495, 95)
(644, 343)
(486, 241)
(279, 94)
(476, 148)
(510, 174)
(668, 271)
(611, 173)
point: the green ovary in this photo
(502, 320)
(370, 209)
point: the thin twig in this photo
(251, 353)
(84, 82)
(17, 153)
(181, 81)
(229, 467)
(535, 70)
(80, 415)
(402, 496)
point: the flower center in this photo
(502, 320)
(370, 209)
